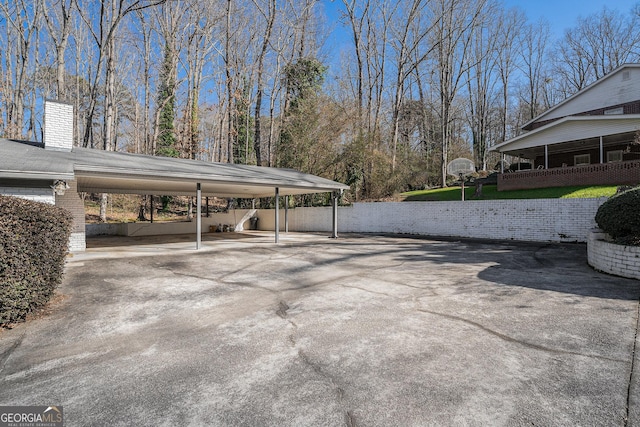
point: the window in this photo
(614, 156)
(619, 110)
(581, 159)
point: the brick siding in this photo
(611, 258)
(37, 194)
(620, 173)
(537, 220)
(72, 202)
(58, 122)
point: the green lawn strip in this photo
(490, 192)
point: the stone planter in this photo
(611, 258)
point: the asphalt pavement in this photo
(356, 331)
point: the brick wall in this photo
(58, 125)
(38, 194)
(611, 258)
(545, 220)
(72, 202)
(621, 173)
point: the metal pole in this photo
(546, 157)
(334, 233)
(462, 186)
(198, 216)
(151, 209)
(207, 208)
(286, 214)
(277, 215)
(601, 151)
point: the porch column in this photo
(198, 215)
(546, 156)
(334, 233)
(277, 215)
(151, 207)
(601, 151)
(286, 214)
(502, 163)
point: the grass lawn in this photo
(490, 192)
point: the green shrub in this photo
(34, 240)
(620, 215)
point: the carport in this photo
(55, 171)
(109, 172)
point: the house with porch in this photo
(591, 138)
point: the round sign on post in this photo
(460, 168)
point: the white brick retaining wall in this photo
(546, 220)
(611, 258)
(540, 220)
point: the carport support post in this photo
(334, 233)
(198, 215)
(277, 215)
(286, 214)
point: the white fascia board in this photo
(35, 175)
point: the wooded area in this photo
(251, 81)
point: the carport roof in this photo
(117, 172)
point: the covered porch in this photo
(576, 150)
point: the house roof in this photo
(580, 93)
(571, 128)
(116, 172)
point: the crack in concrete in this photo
(283, 307)
(5, 356)
(517, 341)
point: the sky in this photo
(563, 14)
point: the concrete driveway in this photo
(359, 331)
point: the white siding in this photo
(610, 91)
(37, 194)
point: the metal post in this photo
(198, 216)
(277, 215)
(601, 151)
(502, 164)
(546, 156)
(151, 208)
(286, 214)
(462, 186)
(334, 233)
(207, 207)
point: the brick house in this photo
(591, 138)
(56, 172)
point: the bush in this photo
(34, 240)
(619, 216)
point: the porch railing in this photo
(618, 173)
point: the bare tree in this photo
(454, 33)
(22, 22)
(57, 16)
(534, 45)
(269, 15)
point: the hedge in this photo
(34, 240)
(619, 216)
